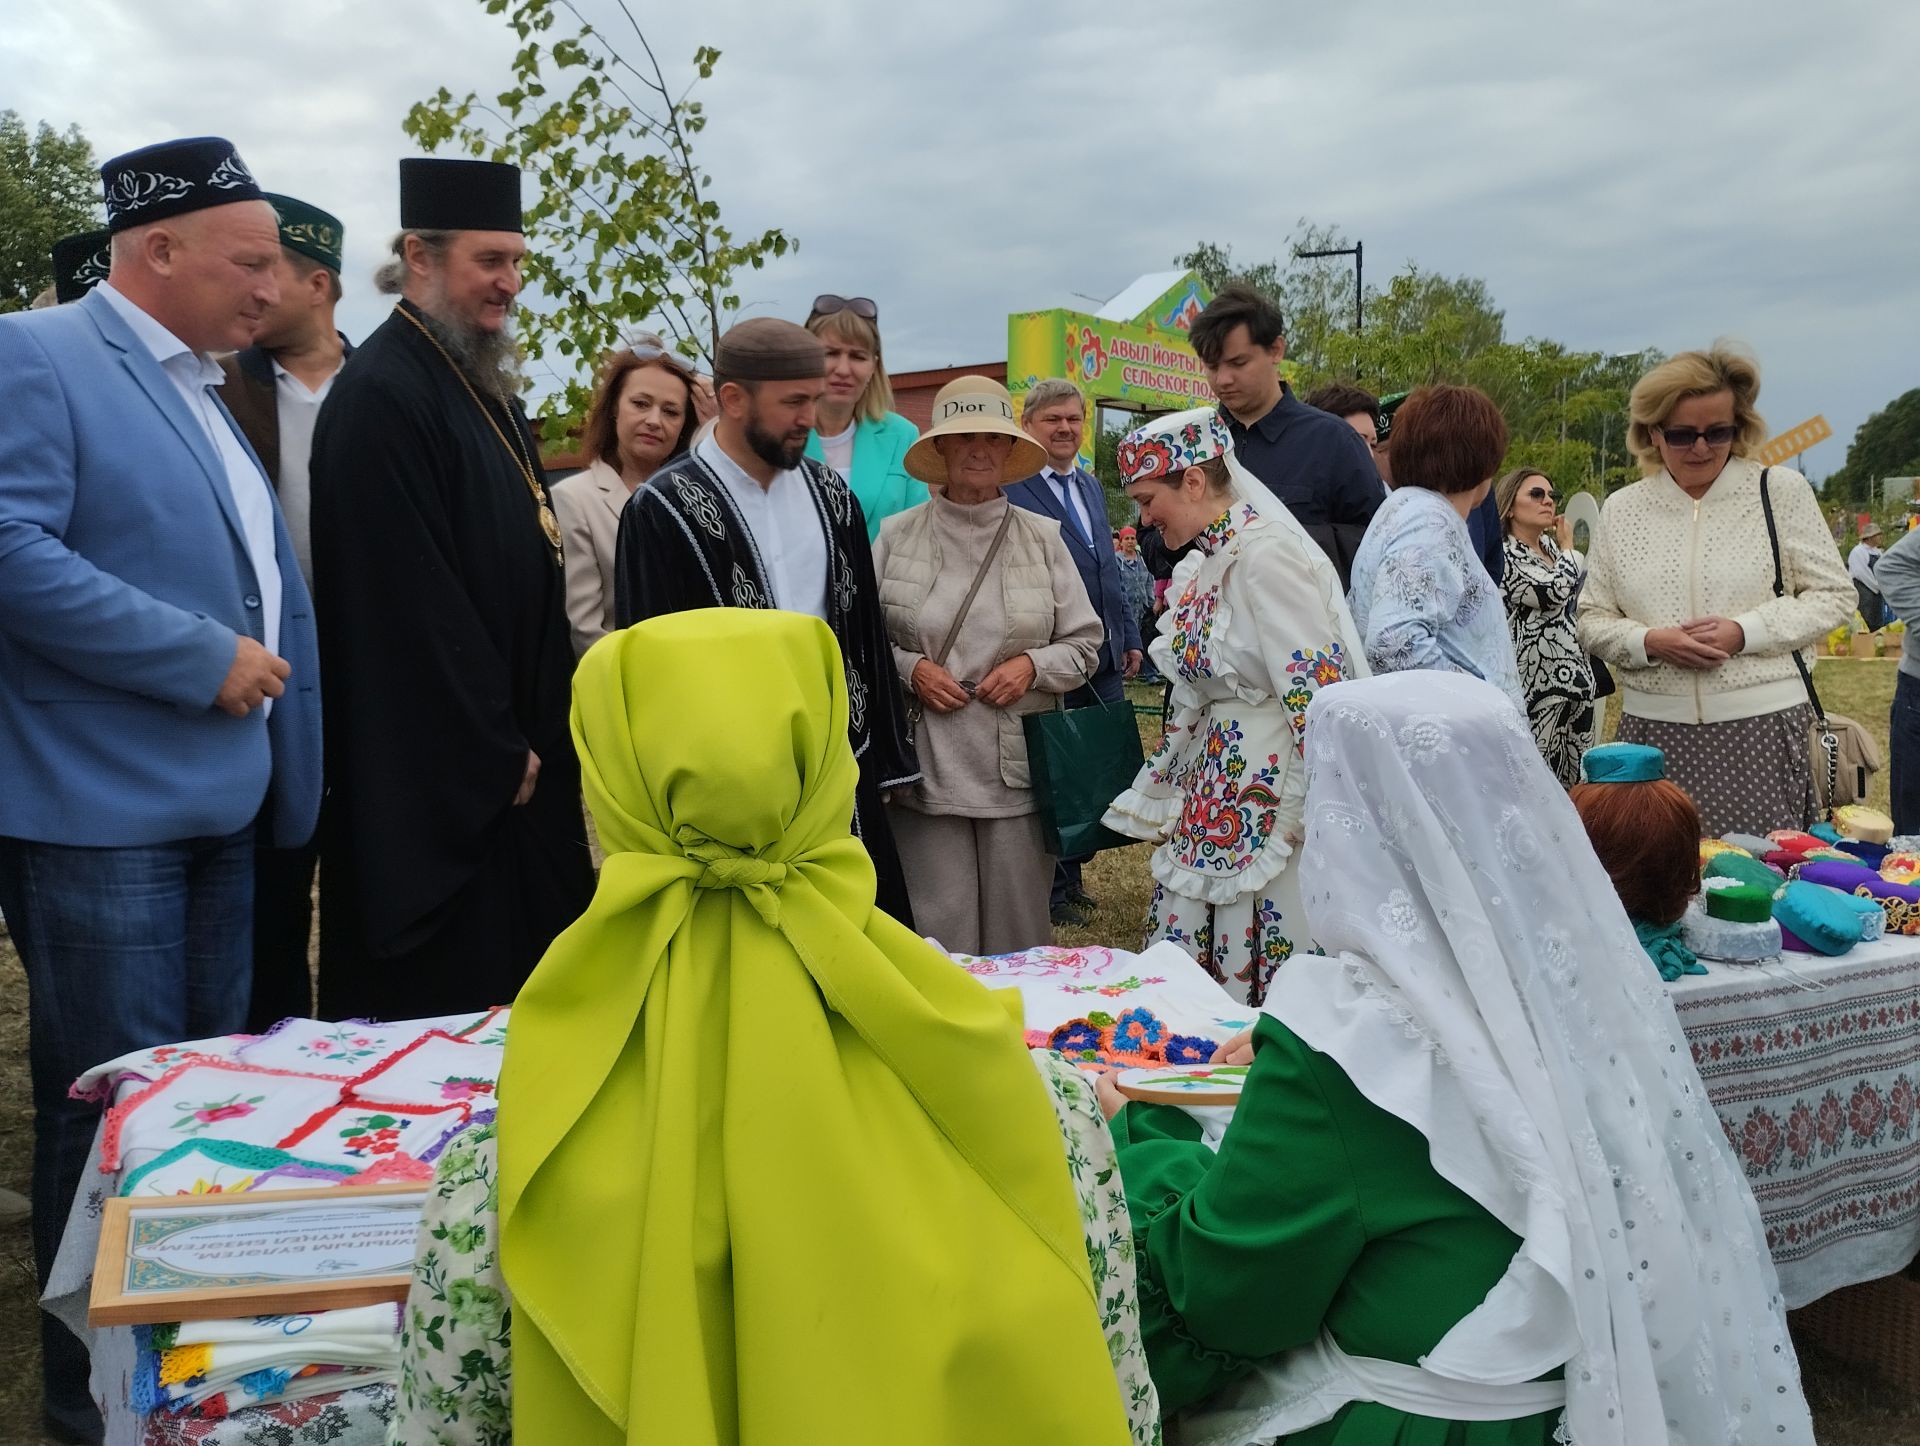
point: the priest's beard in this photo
(772, 448)
(490, 359)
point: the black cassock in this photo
(444, 658)
(684, 545)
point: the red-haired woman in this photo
(1646, 831)
(642, 415)
(1420, 596)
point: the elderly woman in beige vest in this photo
(989, 622)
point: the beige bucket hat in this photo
(974, 404)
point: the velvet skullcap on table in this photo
(1623, 763)
(767, 349)
(440, 194)
(80, 263)
(172, 178)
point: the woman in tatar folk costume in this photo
(1255, 628)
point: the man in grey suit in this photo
(1055, 415)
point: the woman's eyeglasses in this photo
(826, 304)
(1542, 494)
(1682, 438)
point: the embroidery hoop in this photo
(1213, 1084)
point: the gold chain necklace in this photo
(549, 524)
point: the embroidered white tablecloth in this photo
(1819, 1091)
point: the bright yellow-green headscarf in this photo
(772, 1170)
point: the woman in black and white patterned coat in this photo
(1543, 577)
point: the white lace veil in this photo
(1484, 985)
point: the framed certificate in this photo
(271, 1252)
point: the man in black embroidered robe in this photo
(453, 847)
(746, 520)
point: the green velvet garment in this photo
(1320, 1210)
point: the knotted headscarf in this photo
(771, 1168)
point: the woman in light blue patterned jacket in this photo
(1421, 598)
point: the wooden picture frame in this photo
(210, 1257)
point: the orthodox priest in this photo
(745, 519)
(452, 844)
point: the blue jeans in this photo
(124, 948)
(1903, 746)
(1107, 687)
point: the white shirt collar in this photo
(160, 343)
(1057, 475)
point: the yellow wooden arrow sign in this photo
(1793, 442)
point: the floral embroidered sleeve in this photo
(1109, 1233)
(1300, 649)
(455, 1372)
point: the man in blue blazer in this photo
(159, 682)
(1055, 415)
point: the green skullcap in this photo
(314, 233)
(1623, 763)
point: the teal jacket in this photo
(880, 479)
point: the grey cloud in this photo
(1621, 174)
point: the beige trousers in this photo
(978, 885)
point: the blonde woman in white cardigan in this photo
(1680, 597)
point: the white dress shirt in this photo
(1069, 497)
(786, 529)
(298, 410)
(194, 375)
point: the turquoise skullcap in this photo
(1623, 763)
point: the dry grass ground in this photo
(1851, 1408)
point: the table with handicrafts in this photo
(308, 1104)
(1818, 1090)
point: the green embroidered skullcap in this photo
(315, 234)
(1623, 763)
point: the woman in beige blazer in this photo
(969, 831)
(644, 412)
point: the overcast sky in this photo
(1622, 175)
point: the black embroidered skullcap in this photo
(448, 195)
(767, 349)
(81, 263)
(315, 234)
(173, 178)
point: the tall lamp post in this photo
(1355, 251)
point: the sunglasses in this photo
(826, 304)
(1681, 438)
(1542, 494)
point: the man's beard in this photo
(771, 449)
(490, 359)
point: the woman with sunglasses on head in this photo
(856, 431)
(1540, 582)
(1698, 611)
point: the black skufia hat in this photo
(81, 263)
(449, 195)
(173, 178)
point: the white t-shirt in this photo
(786, 529)
(1860, 565)
(838, 449)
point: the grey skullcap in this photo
(767, 349)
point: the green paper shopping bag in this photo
(1080, 760)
